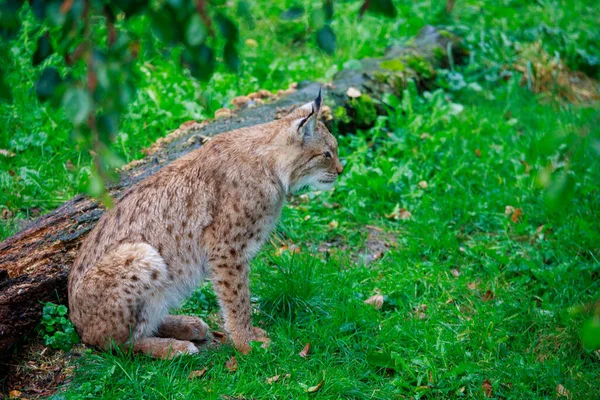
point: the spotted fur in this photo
(204, 215)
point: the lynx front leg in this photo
(231, 283)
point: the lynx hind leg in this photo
(183, 327)
(164, 348)
(121, 299)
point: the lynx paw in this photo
(257, 335)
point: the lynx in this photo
(203, 216)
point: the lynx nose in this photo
(339, 167)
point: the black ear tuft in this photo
(319, 99)
(308, 117)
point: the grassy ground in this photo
(476, 295)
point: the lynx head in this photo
(311, 149)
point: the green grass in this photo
(469, 295)
(504, 318)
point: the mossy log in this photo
(34, 264)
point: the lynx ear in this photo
(307, 125)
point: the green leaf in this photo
(231, 57)
(560, 191)
(96, 186)
(112, 160)
(227, 28)
(292, 13)
(108, 125)
(54, 15)
(77, 104)
(163, 21)
(9, 17)
(317, 19)
(590, 333)
(43, 49)
(39, 9)
(196, 31)
(176, 3)
(5, 90)
(326, 39)
(131, 7)
(201, 62)
(385, 7)
(47, 83)
(381, 359)
(245, 13)
(328, 10)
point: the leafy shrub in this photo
(58, 331)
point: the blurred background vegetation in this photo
(107, 78)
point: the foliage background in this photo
(478, 300)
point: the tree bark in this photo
(34, 264)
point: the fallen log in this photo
(34, 263)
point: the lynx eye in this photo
(327, 154)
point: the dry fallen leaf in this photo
(487, 388)
(281, 249)
(423, 184)
(219, 336)
(489, 295)
(333, 224)
(69, 165)
(561, 391)
(425, 135)
(231, 364)
(478, 152)
(353, 92)
(473, 285)
(305, 351)
(6, 213)
(399, 213)
(197, 373)
(291, 248)
(420, 311)
(273, 379)
(527, 166)
(313, 389)
(539, 230)
(375, 301)
(14, 394)
(509, 210)
(515, 215)
(455, 272)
